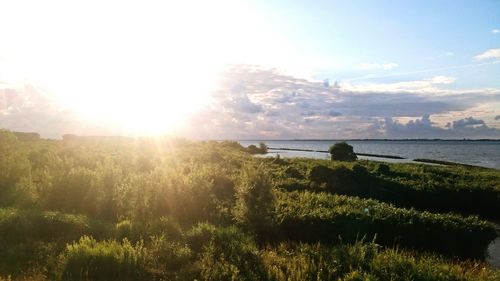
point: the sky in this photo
(251, 69)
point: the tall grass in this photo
(89, 259)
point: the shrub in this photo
(342, 151)
(14, 165)
(320, 174)
(309, 216)
(359, 170)
(292, 172)
(226, 253)
(169, 258)
(253, 149)
(383, 169)
(89, 259)
(263, 148)
(255, 201)
(18, 226)
(366, 262)
(124, 229)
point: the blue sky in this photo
(251, 69)
(416, 35)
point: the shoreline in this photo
(392, 157)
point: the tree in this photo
(342, 151)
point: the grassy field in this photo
(112, 208)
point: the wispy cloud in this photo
(374, 66)
(414, 86)
(495, 31)
(463, 66)
(489, 54)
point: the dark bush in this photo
(323, 217)
(263, 147)
(359, 170)
(223, 187)
(320, 174)
(383, 169)
(342, 151)
(293, 172)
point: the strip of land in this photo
(324, 151)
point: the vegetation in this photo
(423, 187)
(328, 217)
(342, 151)
(261, 149)
(112, 208)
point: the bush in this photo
(89, 259)
(320, 174)
(255, 201)
(253, 149)
(14, 166)
(263, 147)
(342, 151)
(364, 262)
(226, 253)
(169, 258)
(313, 217)
(383, 169)
(18, 226)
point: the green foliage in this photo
(253, 149)
(436, 189)
(89, 259)
(24, 225)
(14, 166)
(255, 201)
(383, 169)
(158, 211)
(226, 253)
(308, 216)
(169, 259)
(364, 261)
(342, 151)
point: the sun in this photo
(139, 68)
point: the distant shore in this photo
(264, 140)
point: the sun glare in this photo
(146, 70)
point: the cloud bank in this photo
(258, 103)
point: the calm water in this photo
(480, 153)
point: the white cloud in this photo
(442, 80)
(489, 54)
(450, 54)
(495, 31)
(415, 86)
(384, 66)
